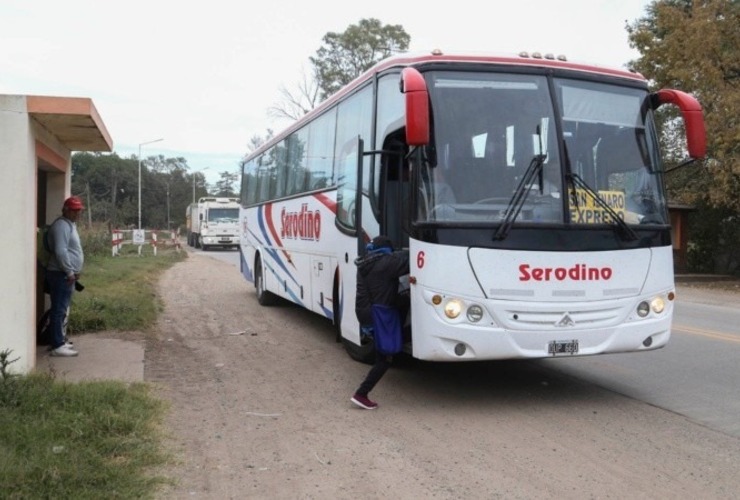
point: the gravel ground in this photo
(260, 409)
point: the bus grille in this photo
(561, 318)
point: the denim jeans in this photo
(60, 292)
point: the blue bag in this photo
(387, 326)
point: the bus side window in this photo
(281, 170)
(263, 176)
(250, 183)
(320, 160)
(354, 121)
(297, 146)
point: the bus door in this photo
(394, 190)
(382, 207)
(365, 221)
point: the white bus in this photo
(528, 190)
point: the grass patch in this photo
(89, 440)
(85, 440)
(120, 291)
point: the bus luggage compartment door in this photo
(322, 285)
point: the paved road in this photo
(695, 375)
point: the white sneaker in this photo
(69, 344)
(64, 350)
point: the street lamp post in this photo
(143, 144)
(201, 170)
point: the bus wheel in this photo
(264, 297)
(364, 353)
(335, 309)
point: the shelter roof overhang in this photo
(74, 121)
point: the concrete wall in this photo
(19, 137)
(18, 250)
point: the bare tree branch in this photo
(294, 104)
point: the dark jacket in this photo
(379, 271)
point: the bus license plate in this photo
(562, 347)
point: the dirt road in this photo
(260, 409)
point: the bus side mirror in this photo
(416, 95)
(693, 118)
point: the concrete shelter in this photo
(37, 137)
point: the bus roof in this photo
(524, 59)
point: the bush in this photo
(96, 240)
(714, 241)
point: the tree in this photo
(225, 185)
(694, 46)
(110, 186)
(346, 55)
(294, 104)
(256, 141)
(166, 182)
(107, 182)
(197, 181)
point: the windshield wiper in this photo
(624, 230)
(520, 195)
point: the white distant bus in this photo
(528, 190)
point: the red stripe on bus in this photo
(327, 202)
(271, 227)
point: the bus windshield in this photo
(489, 128)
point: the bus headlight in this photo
(453, 308)
(643, 309)
(658, 305)
(475, 313)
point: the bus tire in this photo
(364, 353)
(264, 298)
(336, 307)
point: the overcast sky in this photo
(201, 75)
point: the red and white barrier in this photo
(120, 237)
(116, 241)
